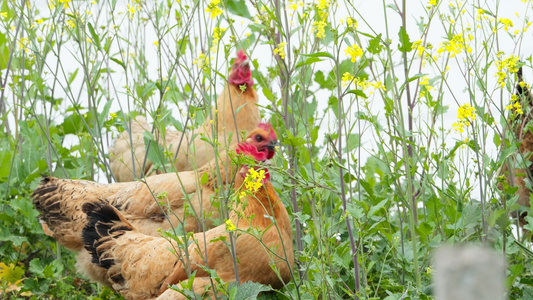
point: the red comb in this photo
(240, 73)
(268, 128)
(248, 149)
(241, 56)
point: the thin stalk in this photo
(341, 176)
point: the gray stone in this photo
(469, 273)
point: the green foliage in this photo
(373, 173)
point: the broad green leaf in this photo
(268, 94)
(246, 291)
(405, 44)
(239, 8)
(10, 273)
(204, 178)
(374, 45)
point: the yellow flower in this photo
(454, 46)
(292, 6)
(156, 43)
(322, 7)
(418, 47)
(71, 23)
(354, 52)
(132, 9)
(351, 23)
(230, 226)
(213, 9)
(347, 79)
(506, 23)
(201, 61)
(465, 114)
(23, 44)
(433, 2)
(318, 27)
(514, 102)
(3, 14)
(507, 65)
(280, 50)
(113, 115)
(217, 33)
(254, 180)
(65, 2)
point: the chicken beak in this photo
(272, 145)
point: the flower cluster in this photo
(213, 9)
(456, 45)
(354, 52)
(425, 87)
(514, 103)
(352, 23)
(508, 65)
(218, 32)
(318, 27)
(322, 7)
(362, 84)
(506, 23)
(465, 115)
(280, 50)
(254, 180)
(417, 46)
(23, 44)
(230, 226)
(133, 8)
(201, 61)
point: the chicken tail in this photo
(104, 225)
(59, 203)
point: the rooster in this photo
(519, 126)
(59, 200)
(236, 111)
(140, 266)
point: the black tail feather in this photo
(104, 224)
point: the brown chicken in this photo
(236, 111)
(140, 266)
(519, 126)
(144, 203)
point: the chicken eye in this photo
(259, 138)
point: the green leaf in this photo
(95, 37)
(308, 61)
(353, 141)
(268, 94)
(5, 165)
(325, 83)
(246, 291)
(10, 273)
(204, 178)
(358, 93)
(405, 44)
(376, 207)
(37, 268)
(374, 45)
(319, 54)
(119, 62)
(4, 51)
(239, 8)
